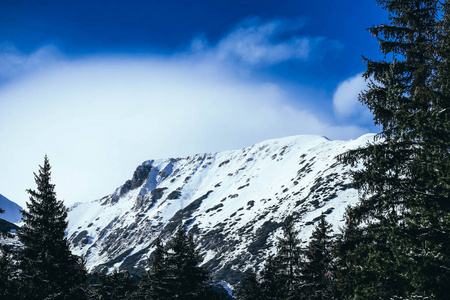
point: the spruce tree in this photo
(316, 279)
(7, 269)
(188, 280)
(4, 274)
(288, 258)
(249, 287)
(401, 225)
(349, 239)
(155, 284)
(115, 286)
(48, 269)
(271, 284)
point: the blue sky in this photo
(101, 86)
(80, 28)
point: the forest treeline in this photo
(395, 243)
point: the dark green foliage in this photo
(175, 273)
(47, 268)
(288, 258)
(271, 284)
(398, 239)
(155, 284)
(249, 287)
(8, 286)
(296, 273)
(116, 286)
(316, 279)
(347, 242)
(188, 279)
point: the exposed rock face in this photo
(234, 202)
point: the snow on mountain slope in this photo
(12, 210)
(234, 202)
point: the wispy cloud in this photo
(15, 63)
(99, 117)
(345, 99)
(260, 43)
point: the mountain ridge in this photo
(234, 202)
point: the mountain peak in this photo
(234, 202)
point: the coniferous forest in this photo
(394, 245)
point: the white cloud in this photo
(97, 119)
(345, 99)
(15, 63)
(255, 42)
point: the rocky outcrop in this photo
(234, 202)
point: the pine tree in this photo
(249, 287)
(48, 270)
(155, 284)
(188, 280)
(271, 285)
(347, 241)
(7, 283)
(316, 279)
(288, 259)
(402, 224)
(116, 286)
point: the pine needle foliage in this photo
(115, 286)
(399, 245)
(249, 288)
(47, 268)
(271, 284)
(8, 287)
(155, 284)
(316, 274)
(188, 279)
(288, 257)
(175, 272)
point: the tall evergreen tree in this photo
(115, 286)
(188, 280)
(349, 239)
(155, 284)
(5, 278)
(48, 270)
(8, 286)
(271, 283)
(288, 258)
(316, 279)
(402, 243)
(7, 282)
(249, 287)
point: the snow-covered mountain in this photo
(234, 202)
(12, 210)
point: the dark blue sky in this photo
(164, 27)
